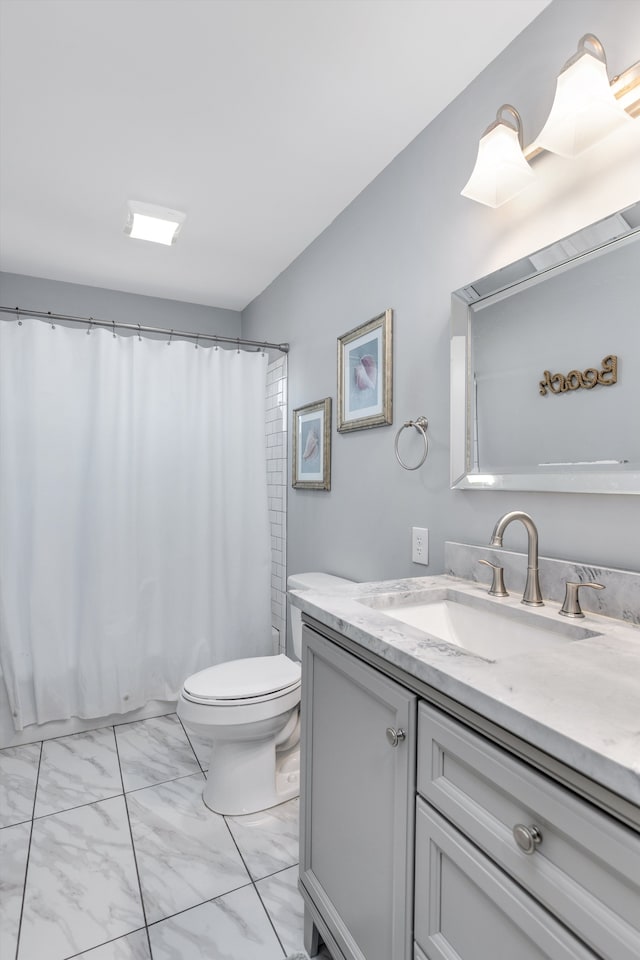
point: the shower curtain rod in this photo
(143, 328)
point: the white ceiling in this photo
(261, 119)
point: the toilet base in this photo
(251, 765)
(288, 773)
(249, 777)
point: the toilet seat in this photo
(243, 682)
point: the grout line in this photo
(159, 783)
(253, 884)
(191, 745)
(279, 870)
(195, 906)
(7, 826)
(133, 847)
(244, 862)
(85, 953)
(26, 866)
(269, 917)
(87, 803)
(78, 733)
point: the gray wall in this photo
(74, 299)
(406, 242)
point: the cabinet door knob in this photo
(395, 736)
(527, 838)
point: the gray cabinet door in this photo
(357, 798)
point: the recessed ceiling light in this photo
(157, 224)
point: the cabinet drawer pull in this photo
(395, 736)
(527, 838)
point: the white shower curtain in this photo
(134, 530)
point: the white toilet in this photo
(250, 711)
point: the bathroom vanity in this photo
(460, 804)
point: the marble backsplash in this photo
(620, 599)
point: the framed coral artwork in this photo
(365, 375)
(312, 446)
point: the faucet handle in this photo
(497, 582)
(571, 606)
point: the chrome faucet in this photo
(532, 594)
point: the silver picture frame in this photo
(365, 375)
(311, 468)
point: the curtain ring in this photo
(421, 425)
(53, 326)
(238, 346)
(170, 338)
(114, 329)
(140, 333)
(18, 316)
(197, 335)
(90, 325)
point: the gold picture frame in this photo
(311, 469)
(365, 375)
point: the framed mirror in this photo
(545, 367)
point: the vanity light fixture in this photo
(501, 171)
(149, 222)
(586, 109)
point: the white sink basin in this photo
(477, 625)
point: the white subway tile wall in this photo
(276, 434)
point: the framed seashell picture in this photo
(312, 446)
(365, 375)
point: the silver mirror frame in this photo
(503, 283)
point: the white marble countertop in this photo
(578, 702)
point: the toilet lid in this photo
(240, 679)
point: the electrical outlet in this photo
(420, 545)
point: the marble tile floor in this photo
(107, 852)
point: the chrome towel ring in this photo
(421, 425)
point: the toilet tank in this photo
(322, 582)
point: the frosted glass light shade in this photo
(152, 228)
(146, 221)
(501, 171)
(584, 109)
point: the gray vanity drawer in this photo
(467, 908)
(586, 869)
